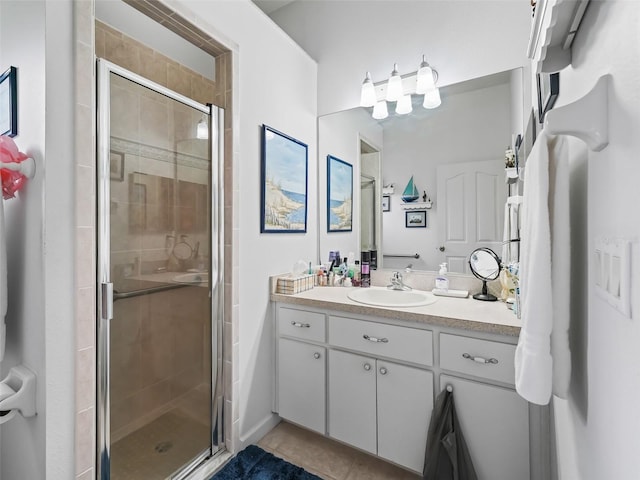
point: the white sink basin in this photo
(383, 297)
(192, 278)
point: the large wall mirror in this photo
(455, 154)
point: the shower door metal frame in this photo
(104, 290)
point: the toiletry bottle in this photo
(373, 262)
(442, 281)
(356, 274)
(365, 279)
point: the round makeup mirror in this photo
(485, 265)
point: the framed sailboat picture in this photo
(284, 183)
(339, 195)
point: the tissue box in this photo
(293, 285)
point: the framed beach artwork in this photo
(339, 195)
(284, 183)
(415, 219)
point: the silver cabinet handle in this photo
(316, 355)
(300, 325)
(375, 339)
(367, 367)
(480, 359)
(383, 371)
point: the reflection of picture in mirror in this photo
(284, 183)
(192, 207)
(416, 219)
(339, 195)
(151, 203)
(386, 203)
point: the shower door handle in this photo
(107, 300)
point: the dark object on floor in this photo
(253, 463)
(447, 456)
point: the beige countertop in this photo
(464, 313)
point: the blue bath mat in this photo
(253, 463)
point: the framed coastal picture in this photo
(283, 183)
(9, 102)
(415, 219)
(339, 195)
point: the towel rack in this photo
(27, 167)
(587, 118)
(414, 255)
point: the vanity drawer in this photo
(301, 324)
(458, 353)
(379, 339)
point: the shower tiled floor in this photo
(159, 448)
(327, 458)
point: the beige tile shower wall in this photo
(122, 50)
(85, 265)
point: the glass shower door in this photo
(159, 278)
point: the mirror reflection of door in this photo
(370, 198)
(471, 196)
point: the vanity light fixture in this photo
(432, 99)
(202, 130)
(404, 105)
(368, 92)
(426, 78)
(380, 110)
(400, 89)
(394, 85)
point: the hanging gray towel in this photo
(447, 456)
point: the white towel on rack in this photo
(3, 278)
(542, 360)
(506, 235)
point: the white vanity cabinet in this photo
(495, 424)
(381, 407)
(377, 378)
(302, 368)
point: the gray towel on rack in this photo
(447, 456)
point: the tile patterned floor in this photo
(327, 458)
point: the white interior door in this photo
(471, 199)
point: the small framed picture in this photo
(9, 102)
(415, 219)
(386, 203)
(548, 89)
(116, 166)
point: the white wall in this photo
(340, 134)
(40, 319)
(597, 426)
(461, 39)
(275, 85)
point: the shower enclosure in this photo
(159, 279)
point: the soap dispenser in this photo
(442, 281)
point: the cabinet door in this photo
(301, 384)
(405, 402)
(495, 424)
(352, 399)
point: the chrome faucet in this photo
(397, 283)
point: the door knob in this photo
(316, 355)
(441, 248)
(367, 367)
(383, 371)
